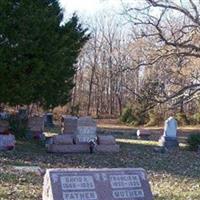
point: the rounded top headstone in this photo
(170, 128)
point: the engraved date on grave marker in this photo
(124, 181)
(77, 182)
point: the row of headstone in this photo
(80, 135)
(84, 128)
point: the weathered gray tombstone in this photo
(36, 127)
(87, 129)
(96, 184)
(7, 142)
(69, 124)
(169, 138)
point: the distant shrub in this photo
(194, 141)
(196, 118)
(75, 110)
(127, 115)
(155, 118)
(133, 115)
(182, 118)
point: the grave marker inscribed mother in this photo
(96, 184)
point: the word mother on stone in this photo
(96, 184)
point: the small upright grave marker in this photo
(169, 138)
(96, 184)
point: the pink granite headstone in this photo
(7, 142)
(69, 124)
(96, 184)
(87, 129)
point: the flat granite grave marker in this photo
(96, 184)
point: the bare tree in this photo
(174, 28)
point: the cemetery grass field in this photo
(174, 175)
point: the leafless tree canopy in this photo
(147, 55)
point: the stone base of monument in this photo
(67, 144)
(36, 135)
(67, 148)
(63, 139)
(168, 142)
(143, 134)
(81, 148)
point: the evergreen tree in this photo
(37, 54)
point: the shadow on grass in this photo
(180, 167)
(178, 162)
(133, 153)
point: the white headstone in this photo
(86, 130)
(170, 128)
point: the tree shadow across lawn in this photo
(141, 153)
(168, 173)
(133, 153)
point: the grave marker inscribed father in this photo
(96, 184)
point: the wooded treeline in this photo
(143, 64)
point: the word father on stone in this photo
(96, 184)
